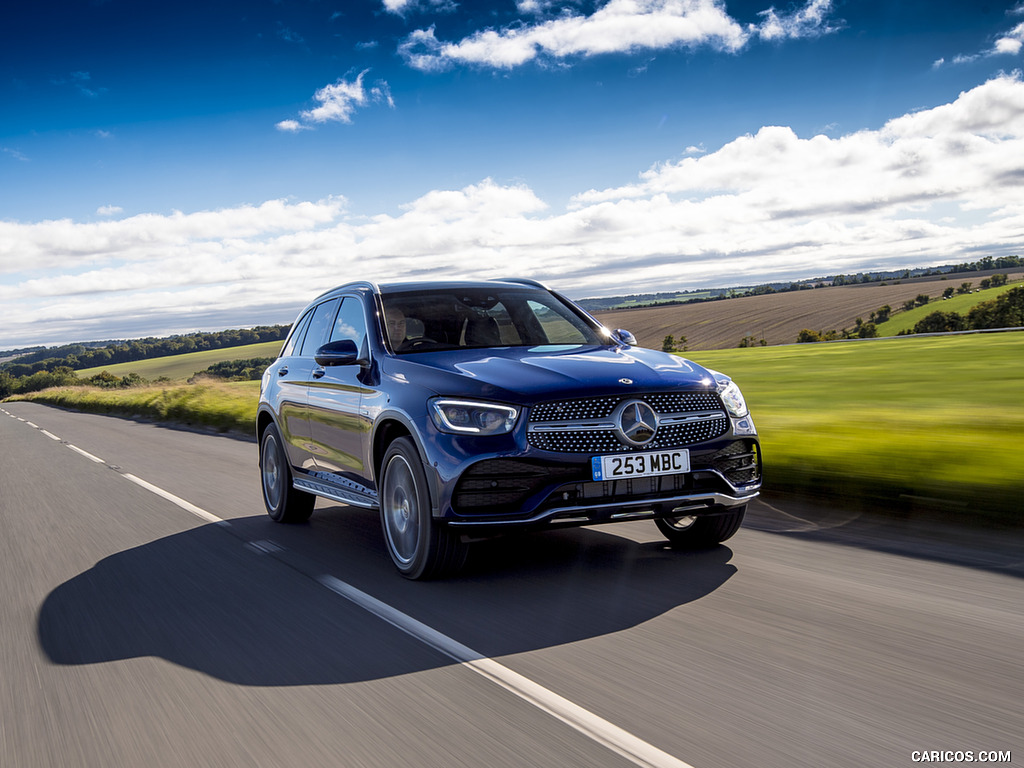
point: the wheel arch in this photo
(389, 427)
(263, 418)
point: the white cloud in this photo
(109, 210)
(339, 101)
(1011, 42)
(291, 126)
(936, 186)
(812, 20)
(1008, 43)
(618, 26)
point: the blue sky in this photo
(176, 167)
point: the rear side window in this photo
(296, 336)
(319, 326)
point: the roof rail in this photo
(372, 286)
(521, 281)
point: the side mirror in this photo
(626, 337)
(342, 352)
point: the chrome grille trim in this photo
(578, 426)
(595, 408)
(585, 426)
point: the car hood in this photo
(525, 374)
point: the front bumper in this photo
(541, 489)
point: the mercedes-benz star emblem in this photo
(637, 422)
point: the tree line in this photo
(981, 265)
(78, 356)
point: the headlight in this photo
(471, 418)
(731, 396)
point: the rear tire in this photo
(691, 532)
(284, 503)
(420, 546)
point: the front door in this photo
(339, 430)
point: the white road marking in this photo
(87, 455)
(611, 736)
(50, 435)
(34, 426)
(186, 505)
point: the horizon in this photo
(924, 273)
(161, 176)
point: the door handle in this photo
(282, 371)
(319, 372)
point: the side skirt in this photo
(336, 488)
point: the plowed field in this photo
(776, 317)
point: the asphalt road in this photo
(136, 630)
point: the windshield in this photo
(472, 318)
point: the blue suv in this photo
(465, 409)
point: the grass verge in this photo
(219, 406)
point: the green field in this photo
(905, 321)
(929, 423)
(182, 367)
(906, 425)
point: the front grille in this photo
(585, 426)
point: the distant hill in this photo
(778, 317)
(181, 367)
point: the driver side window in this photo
(350, 323)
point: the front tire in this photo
(284, 503)
(419, 546)
(692, 532)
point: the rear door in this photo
(300, 366)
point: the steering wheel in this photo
(422, 341)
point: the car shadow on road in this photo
(242, 603)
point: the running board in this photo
(352, 496)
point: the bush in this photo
(104, 379)
(1006, 311)
(62, 376)
(252, 369)
(940, 322)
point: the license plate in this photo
(648, 464)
